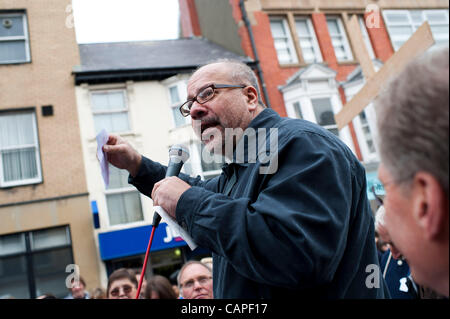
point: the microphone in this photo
(178, 155)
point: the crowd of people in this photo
(194, 281)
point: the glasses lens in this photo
(126, 289)
(205, 95)
(185, 109)
(115, 292)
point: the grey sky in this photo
(125, 20)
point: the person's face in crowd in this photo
(403, 226)
(144, 285)
(229, 108)
(196, 282)
(122, 289)
(384, 236)
(77, 290)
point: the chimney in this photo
(190, 26)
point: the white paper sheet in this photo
(102, 138)
(175, 227)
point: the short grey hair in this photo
(240, 73)
(413, 120)
(379, 217)
(191, 262)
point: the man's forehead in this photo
(193, 271)
(212, 73)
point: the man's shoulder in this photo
(300, 130)
(310, 137)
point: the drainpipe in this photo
(255, 53)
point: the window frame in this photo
(343, 35)
(327, 127)
(290, 42)
(318, 58)
(306, 108)
(366, 37)
(125, 110)
(181, 87)
(24, 38)
(195, 149)
(367, 155)
(29, 181)
(29, 252)
(413, 25)
(118, 191)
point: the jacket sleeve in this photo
(294, 234)
(151, 172)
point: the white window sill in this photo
(21, 183)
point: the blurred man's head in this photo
(78, 288)
(195, 281)
(413, 127)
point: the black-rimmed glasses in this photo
(116, 291)
(205, 95)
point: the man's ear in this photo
(252, 96)
(430, 206)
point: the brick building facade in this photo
(300, 43)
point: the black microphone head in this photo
(178, 153)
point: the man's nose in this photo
(197, 285)
(198, 111)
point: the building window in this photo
(323, 111)
(339, 39)
(202, 163)
(365, 127)
(19, 149)
(177, 94)
(308, 41)
(401, 24)
(283, 41)
(14, 44)
(365, 34)
(211, 164)
(298, 110)
(122, 199)
(34, 263)
(110, 110)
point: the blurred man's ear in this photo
(252, 96)
(430, 209)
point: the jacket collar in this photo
(266, 120)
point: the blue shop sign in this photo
(134, 241)
(373, 181)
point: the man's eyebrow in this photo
(190, 97)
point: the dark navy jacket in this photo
(305, 231)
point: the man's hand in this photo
(167, 192)
(122, 155)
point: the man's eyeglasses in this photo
(116, 291)
(205, 95)
(202, 280)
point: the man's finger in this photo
(155, 187)
(114, 149)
